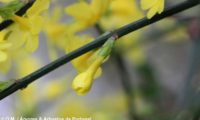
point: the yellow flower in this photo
(26, 65)
(136, 55)
(55, 32)
(87, 14)
(83, 62)
(28, 27)
(27, 38)
(63, 36)
(38, 7)
(73, 107)
(153, 7)
(83, 82)
(121, 12)
(54, 89)
(28, 97)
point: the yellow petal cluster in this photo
(22, 37)
(29, 26)
(153, 7)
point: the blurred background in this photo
(146, 77)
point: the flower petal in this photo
(32, 44)
(152, 12)
(5, 66)
(147, 4)
(3, 56)
(81, 11)
(161, 6)
(100, 6)
(38, 7)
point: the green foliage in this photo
(8, 10)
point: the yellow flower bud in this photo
(83, 82)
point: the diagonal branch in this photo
(23, 82)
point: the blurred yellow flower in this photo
(27, 65)
(136, 55)
(38, 7)
(109, 107)
(28, 97)
(87, 14)
(73, 107)
(153, 7)
(54, 89)
(121, 12)
(26, 28)
(55, 32)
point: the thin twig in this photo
(23, 82)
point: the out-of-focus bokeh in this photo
(144, 77)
